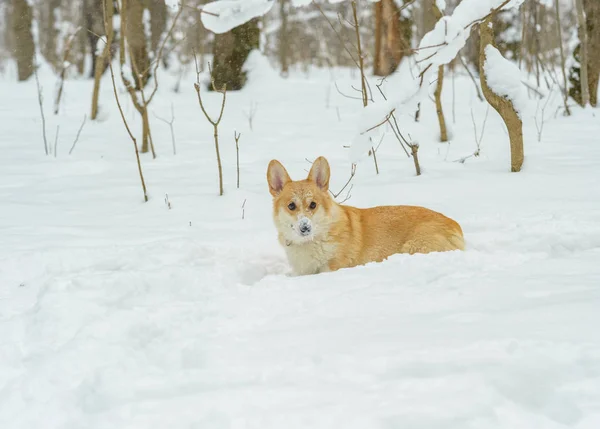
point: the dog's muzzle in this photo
(304, 227)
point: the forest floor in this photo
(115, 313)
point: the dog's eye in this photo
(292, 206)
(313, 205)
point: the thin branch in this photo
(237, 136)
(352, 173)
(114, 85)
(337, 34)
(170, 123)
(56, 139)
(464, 64)
(64, 67)
(78, 134)
(41, 103)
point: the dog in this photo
(319, 235)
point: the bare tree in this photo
(502, 105)
(393, 34)
(136, 42)
(104, 57)
(284, 44)
(439, 85)
(585, 88)
(562, 58)
(214, 122)
(158, 23)
(23, 39)
(592, 12)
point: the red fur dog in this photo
(321, 235)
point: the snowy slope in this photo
(120, 314)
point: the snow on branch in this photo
(438, 47)
(504, 78)
(222, 16)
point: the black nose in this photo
(305, 229)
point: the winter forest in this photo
(147, 277)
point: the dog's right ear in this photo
(277, 176)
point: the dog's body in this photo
(321, 235)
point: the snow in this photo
(504, 78)
(441, 5)
(224, 15)
(172, 4)
(116, 313)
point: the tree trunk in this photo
(592, 12)
(438, 90)
(48, 33)
(230, 51)
(585, 88)
(501, 104)
(136, 41)
(284, 43)
(145, 130)
(562, 58)
(104, 58)
(24, 47)
(158, 23)
(393, 33)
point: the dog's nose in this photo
(305, 229)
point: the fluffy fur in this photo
(321, 235)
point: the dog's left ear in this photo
(319, 173)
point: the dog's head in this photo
(301, 209)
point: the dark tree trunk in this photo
(230, 51)
(24, 47)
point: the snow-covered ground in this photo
(116, 313)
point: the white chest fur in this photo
(311, 257)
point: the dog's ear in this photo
(277, 176)
(319, 173)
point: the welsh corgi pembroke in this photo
(320, 235)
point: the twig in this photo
(170, 123)
(64, 67)
(352, 173)
(167, 202)
(137, 154)
(41, 103)
(215, 123)
(237, 136)
(250, 114)
(464, 64)
(337, 34)
(478, 139)
(244, 209)
(363, 78)
(56, 139)
(374, 151)
(78, 133)
(540, 126)
(532, 88)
